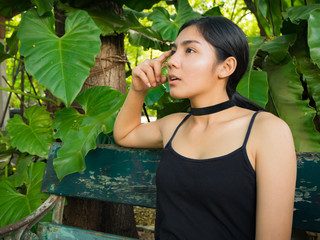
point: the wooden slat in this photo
(113, 174)
(307, 196)
(48, 231)
(126, 175)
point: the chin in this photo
(176, 95)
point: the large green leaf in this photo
(309, 71)
(79, 131)
(20, 176)
(313, 36)
(254, 84)
(59, 64)
(43, 6)
(35, 136)
(140, 35)
(166, 25)
(286, 92)
(278, 47)
(215, 11)
(15, 205)
(296, 14)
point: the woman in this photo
(228, 171)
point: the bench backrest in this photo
(125, 175)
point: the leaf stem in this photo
(29, 95)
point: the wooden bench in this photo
(123, 175)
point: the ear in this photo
(227, 67)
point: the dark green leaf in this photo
(286, 90)
(263, 7)
(296, 14)
(278, 47)
(59, 64)
(35, 136)
(79, 132)
(313, 36)
(254, 84)
(20, 176)
(10, 8)
(139, 5)
(154, 95)
(43, 6)
(14, 205)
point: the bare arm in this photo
(276, 177)
(128, 131)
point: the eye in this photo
(173, 52)
(189, 50)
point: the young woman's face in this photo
(192, 69)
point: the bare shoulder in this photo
(272, 136)
(168, 124)
(268, 125)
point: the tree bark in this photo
(109, 70)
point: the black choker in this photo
(212, 109)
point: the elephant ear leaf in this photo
(15, 205)
(37, 132)
(166, 25)
(59, 64)
(80, 131)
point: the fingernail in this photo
(149, 85)
(158, 79)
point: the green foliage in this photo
(286, 90)
(79, 131)
(313, 36)
(254, 85)
(43, 6)
(168, 25)
(3, 54)
(15, 205)
(59, 64)
(35, 136)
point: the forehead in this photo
(190, 33)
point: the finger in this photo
(147, 68)
(164, 79)
(164, 56)
(157, 70)
(143, 77)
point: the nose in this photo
(174, 61)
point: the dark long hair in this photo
(228, 40)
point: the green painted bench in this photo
(125, 175)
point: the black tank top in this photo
(206, 198)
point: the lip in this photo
(172, 76)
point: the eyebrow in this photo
(186, 42)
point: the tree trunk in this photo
(97, 215)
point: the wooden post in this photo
(3, 94)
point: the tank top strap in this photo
(177, 128)
(250, 127)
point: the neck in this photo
(212, 109)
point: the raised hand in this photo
(148, 73)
